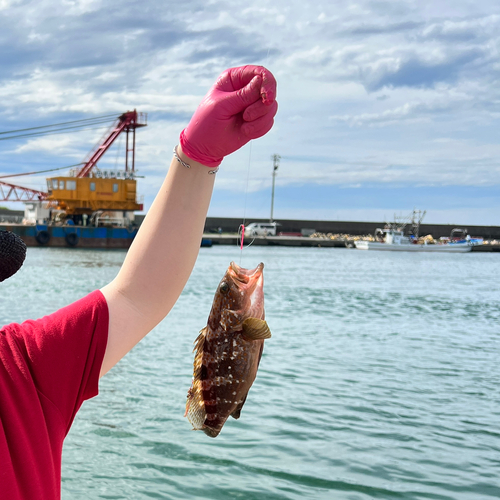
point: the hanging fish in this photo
(228, 350)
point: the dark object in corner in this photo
(12, 254)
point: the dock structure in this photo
(352, 228)
(277, 241)
(224, 231)
(301, 241)
(487, 247)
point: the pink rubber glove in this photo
(239, 107)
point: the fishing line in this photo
(241, 229)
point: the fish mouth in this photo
(245, 276)
(251, 283)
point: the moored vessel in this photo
(90, 207)
(392, 238)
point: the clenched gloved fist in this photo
(239, 107)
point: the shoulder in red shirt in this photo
(48, 367)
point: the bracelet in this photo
(187, 165)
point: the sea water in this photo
(381, 380)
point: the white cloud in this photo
(6, 4)
(369, 92)
(65, 145)
(78, 7)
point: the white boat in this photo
(393, 239)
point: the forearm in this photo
(160, 259)
(239, 107)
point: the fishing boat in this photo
(392, 238)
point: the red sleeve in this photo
(64, 352)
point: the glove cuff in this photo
(196, 155)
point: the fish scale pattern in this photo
(228, 350)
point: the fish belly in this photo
(225, 368)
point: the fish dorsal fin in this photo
(256, 329)
(200, 340)
(198, 350)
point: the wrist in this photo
(188, 162)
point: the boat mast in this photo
(416, 220)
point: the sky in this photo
(384, 106)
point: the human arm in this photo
(160, 259)
(239, 107)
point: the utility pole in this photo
(276, 162)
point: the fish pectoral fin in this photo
(256, 329)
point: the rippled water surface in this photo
(381, 381)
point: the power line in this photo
(40, 171)
(56, 131)
(59, 124)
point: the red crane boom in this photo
(11, 192)
(127, 122)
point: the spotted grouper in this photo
(228, 350)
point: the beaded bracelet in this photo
(187, 165)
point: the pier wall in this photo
(216, 225)
(231, 225)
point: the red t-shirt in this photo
(48, 367)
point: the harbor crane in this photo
(89, 189)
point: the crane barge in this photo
(90, 207)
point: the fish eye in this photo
(224, 287)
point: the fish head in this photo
(240, 295)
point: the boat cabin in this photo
(392, 236)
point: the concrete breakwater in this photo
(334, 234)
(224, 231)
(285, 241)
(351, 228)
(302, 241)
(215, 225)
